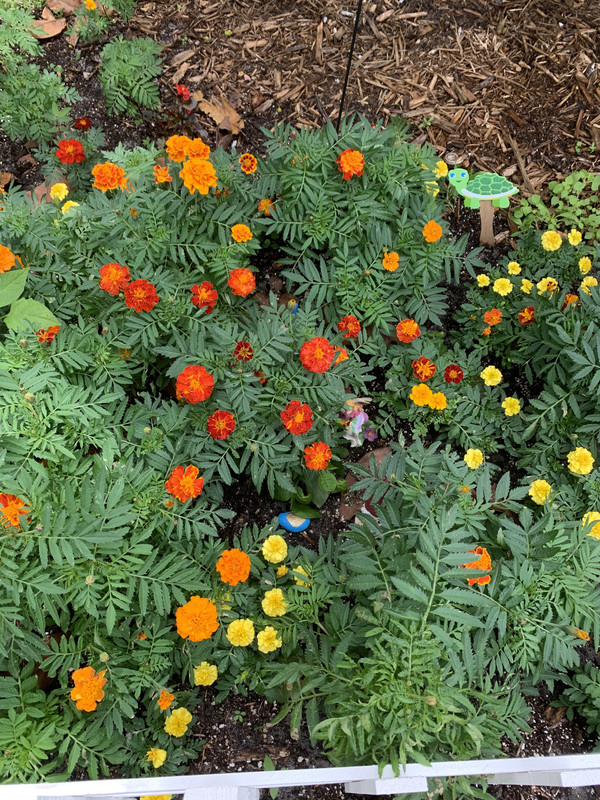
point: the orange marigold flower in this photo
(197, 619)
(165, 699)
(88, 691)
(204, 296)
(196, 148)
(70, 151)
(233, 566)
(243, 351)
(7, 259)
(492, 317)
(241, 233)
(140, 295)
(316, 355)
(407, 330)
(351, 162)
(161, 174)
(579, 633)
(432, 231)
(195, 384)
(317, 456)
(342, 354)
(297, 417)
(114, 277)
(486, 331)
(569, 298)
(453, 374)
(177, 147)
(351, 325)
(11, 507)
(241, 282)
(391, 261)
(527, 316)
(184, 483)
(423, 368)
(108, 176)
(247, 163)
(421, 394)
(483, 562)
(265, 206)
(45, 335)
(198, 175)
(220, 424)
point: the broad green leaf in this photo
(11, 285)
(24, 310)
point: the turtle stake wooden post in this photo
(485, 191)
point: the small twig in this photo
(349, 65)
(521, 164)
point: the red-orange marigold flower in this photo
(247, 163)
(527, 316)
(184, 483)
(483, 562)
(241, 282)
(423, 368)
(165, 699)
(407, 330)
(262, 378)
(195, 384)
(45, 335)
(198, 175)
(114, 277)
(140, 295)
(161, 174)
(492, 317)
(177, 147)
(88, 691)
(265, 206)
(297, 417)
(453, 374)
(233, 566)
(70, 151)
(317, 456)
(351, 162)
(11, 507)
(351, 325)
(432, 231)
(241, 233)
(220, 424)
(342, 354)
(204, 296)
(83, 123)
(108, 176)
(486, 331)
(243, 351)
(197, 619)
(317, 354)
(569, 298)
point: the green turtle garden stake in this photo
(485, 191)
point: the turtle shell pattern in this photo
(487, 186)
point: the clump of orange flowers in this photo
(181, 147)
(421, 395)
(317, 456)
(89, 688)
(11, 508)
(184, 483)
(351, 162)
(108, 176)
(241, 281)
(194, 384)
(432, 231)
(317, 354)
(407, 330)
(483, 562)
(114, 277)
(197, 619)
(233, 566)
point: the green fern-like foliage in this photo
(127, 75)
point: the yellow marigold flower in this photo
(240, 632)
(580, 461)
(551, 240)
(511, 406)
(483, 280)
(303, 572)
(502, 286)
(441, 169)
(205, 674)
(491, 376)
(59, 191)
(282, 571)
(156, 797)
(274, 549)
(574, 237)
(177, 722)
(432, 188)
(90, 5)
(68, 206)
(526, 285)
(273, 603)
(421, 394)
(547, 285)
(585, 265)
(267, 640)
(156, 756)
(473, 458)
(539, 492)
(588, 519)
(588, 281)
(438, 401)
(514, 268)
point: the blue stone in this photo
(301, 525)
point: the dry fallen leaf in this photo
(6, 178)
(48, 26)
(181, 72)
(223, 113)
(181, 57)
(72, 39)
(67, 6)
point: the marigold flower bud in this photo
(104, 657)
(29, 398)
(89, 580)
(430, 700)
(23, 343)
(147, 430)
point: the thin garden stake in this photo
(356, 22)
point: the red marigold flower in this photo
(432, 231)
(184, 484)
(11, 507)
(317, 354)
(197, 619)
(265, 206)
(165, 699)
(527, 316)
(161, 174)
(262, 378)
(114, 277)
(483, 562)
(220, 424)
(141, 295)
(351, 162)
(423, 368)
(317, 456)
(492, 317)
(70, 151)
(351, 325)
(453, 374)
(407, 330)
(233, 566)
(45, 335)
(108, 176)
(204, 296)
(241, 282)
(195, 384)
(89, 688)
(83, 123)
(183, 92)
(243, 351)
(297, 417)
(247, 163)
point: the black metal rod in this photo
(350, 54)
